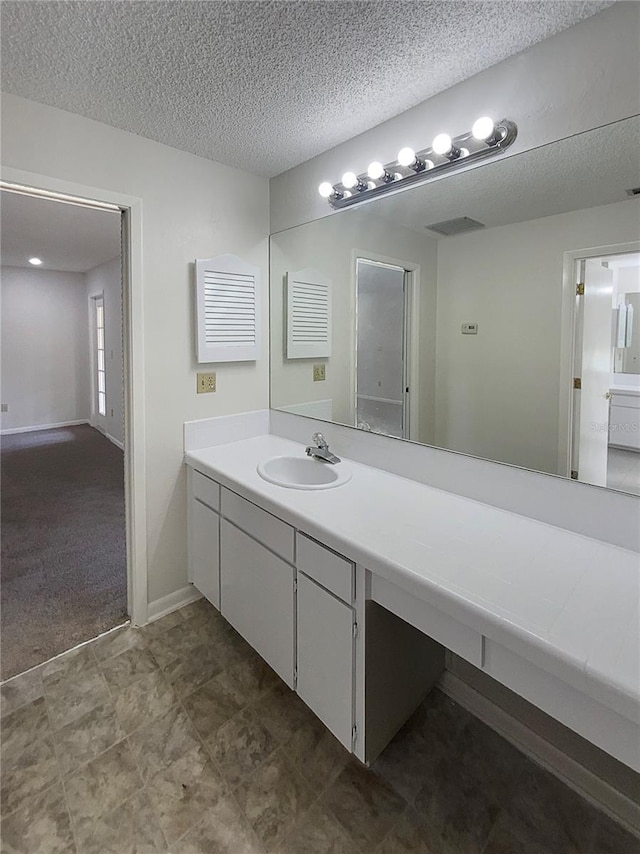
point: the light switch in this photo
(469, 328)
(206, 383)
(4, 407)
(319, 373)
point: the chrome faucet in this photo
(320, 450)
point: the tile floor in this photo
(178, 738)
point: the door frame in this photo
(133, 361)
(412, 348)
(568, 338)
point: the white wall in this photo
(191, 208)
(584, 77)
(106, 279)
(497, 392)
(45, 375)
(330, 246)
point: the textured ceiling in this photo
(65, 237)
(260, 85)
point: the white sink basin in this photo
(303, 473)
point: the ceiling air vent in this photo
(634, 191)
(455, 226)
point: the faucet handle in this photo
(319, 441)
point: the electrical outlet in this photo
(206, 383)
(4, 407)
(318, 374)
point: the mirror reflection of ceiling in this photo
(581, 171)
(66, 237)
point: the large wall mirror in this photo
(450, 313)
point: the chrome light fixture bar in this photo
(485, 139)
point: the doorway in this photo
(606, 379)
(63, 454)
(383, 348)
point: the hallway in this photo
(63, 543)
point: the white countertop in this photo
(567, 603)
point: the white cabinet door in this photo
(257, 595)
(325, 657)
(203, 543)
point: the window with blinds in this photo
(228, 300)
(308, 315)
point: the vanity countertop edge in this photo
(383, 521)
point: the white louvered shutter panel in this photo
(308, 315)
(228, 298)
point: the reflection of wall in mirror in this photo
(330, 245)
(494, 394)
(497, 393)
(627, 293)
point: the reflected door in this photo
(381, 312)
(595, 373)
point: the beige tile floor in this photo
(178, 738)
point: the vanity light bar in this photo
(485, 139)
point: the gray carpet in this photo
(63, 567)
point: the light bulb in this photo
(406, 157)
(349, 180)
(442, 144)
(325, 189)
(376, 170)
(35, 261)
(483, 128)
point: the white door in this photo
(595, 373)
(257, 598)
(325, 657)
(203, 543)
(99, 366)
(382, 348)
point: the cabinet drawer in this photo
(326, 567)
(205, 490)
(276, 535)
(631, 401)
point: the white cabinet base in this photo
(401, 666)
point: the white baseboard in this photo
(576, 776)
(35, 427)
(165, 605)
(115, 441)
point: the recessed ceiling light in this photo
(35, 261)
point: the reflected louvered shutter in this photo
(228, 298)
(308, 315)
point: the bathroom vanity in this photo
(353, 594)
